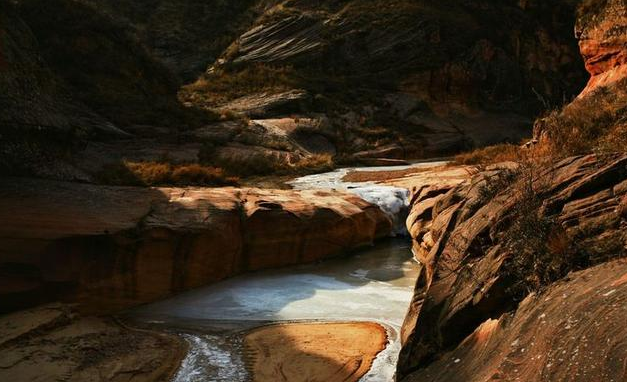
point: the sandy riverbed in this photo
(325, 352)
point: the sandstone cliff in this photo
(596, 119)
(485, 245)
(112, 247)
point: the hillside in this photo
(283, 87)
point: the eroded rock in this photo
(572, 332)
(461, 239)
(112, 247)
(53, 343)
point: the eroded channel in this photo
(373, 284)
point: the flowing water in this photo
(373, 284)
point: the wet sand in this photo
(324, 352)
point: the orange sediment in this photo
(325, 352)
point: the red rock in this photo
(603, 41)
(464, 281)
(572, 332)
(112, 247)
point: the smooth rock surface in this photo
(459, 239)
(51, 343)
(112, 247)
(572, 332)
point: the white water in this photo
(373, 285)
(211, 352)
(392, 200)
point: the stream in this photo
(373, 284)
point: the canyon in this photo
(140, 240)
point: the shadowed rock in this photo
(112, 247)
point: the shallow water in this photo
(373, 284)
(392, 200)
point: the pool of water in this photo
(373, 284)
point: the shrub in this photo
(594, 123)
(163, 174)
(224, 85)
(540, 251)
(261, 164)
(489, 155)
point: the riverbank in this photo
(53, 343)
(325, 352)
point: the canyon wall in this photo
(602, 33)
(112, 247)
(358, 80)
(485, 244)
(417, 78)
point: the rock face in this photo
(265, 104)
(472, 270)
(596, 119)
(185, 36)
(602, 33)
(112, 247)
(53, 343)
(33, 99)
(572, 332)
(436, 77)
(422, 78)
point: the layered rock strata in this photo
(463, 239)
(113, 247)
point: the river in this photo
(373, 284)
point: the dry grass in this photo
(222, 85)
(164, 174)
(314, 163)
(380, 176)
(595, 123)
(490, 155)
(263, 164)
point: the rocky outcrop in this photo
(112, 247)
(442, 78)
(597, 118)
(53, 343)
(267, 104)
(602, 33)
(574, 331)
(483, 245)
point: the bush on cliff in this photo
(596, 123)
